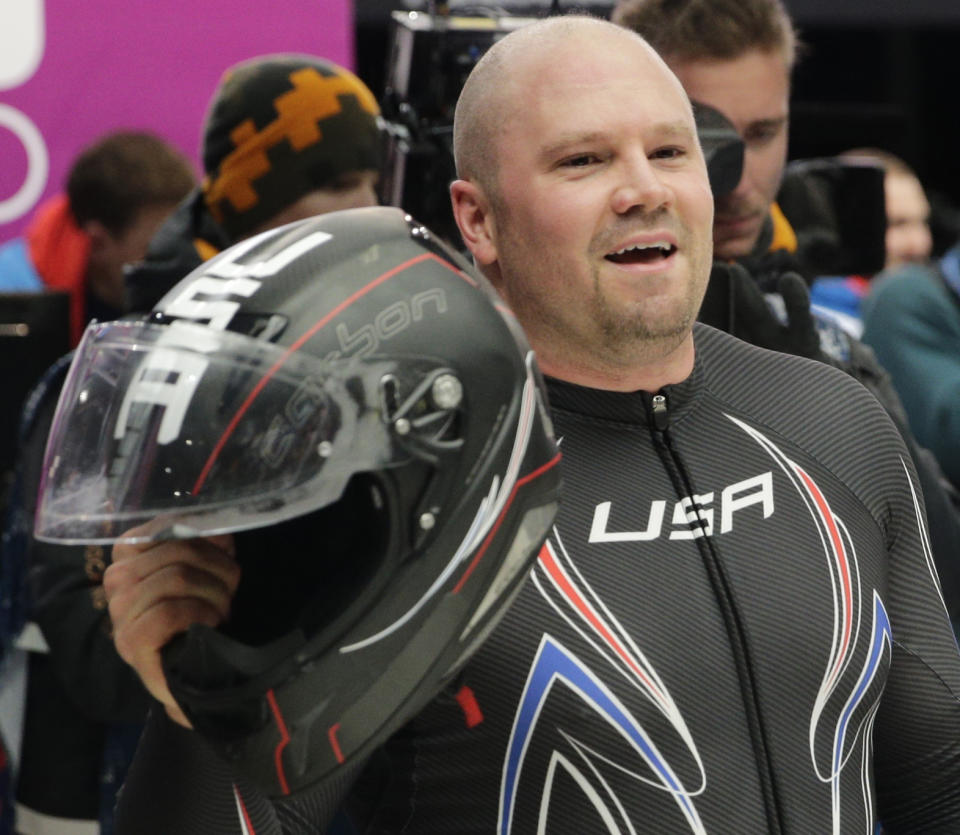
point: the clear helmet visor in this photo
(200, 431)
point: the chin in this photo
(734, 247)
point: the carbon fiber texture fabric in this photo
(734, 627)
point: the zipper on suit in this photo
(659, 418)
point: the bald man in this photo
(733, 627)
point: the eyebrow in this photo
(678, 129)
(775, 122)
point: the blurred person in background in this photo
(285, 137)
(911, 319)
(908, 239)
(118, 192)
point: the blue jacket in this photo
(17, 273)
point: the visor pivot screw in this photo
(402, 426)
(447, 391)
(427, 521)
(324, 449)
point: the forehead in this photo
(608, 81)
(754, 86)
(904, 195)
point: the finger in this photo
(213, 556)
(177, 715)
(175, 583)
(140, 639)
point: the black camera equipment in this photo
(835, 206)
(722, 148)
(431, 55)
(838, 211)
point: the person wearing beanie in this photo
(285, 137)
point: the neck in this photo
(650, 372)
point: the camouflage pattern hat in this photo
(278, 127)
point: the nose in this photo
(640, 186)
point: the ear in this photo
(471, 210)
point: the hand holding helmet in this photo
(158, 589)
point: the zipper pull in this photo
(661, 418)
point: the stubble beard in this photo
(633, 332)
(635, 336)
(611, 336)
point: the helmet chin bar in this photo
(331, 573)
(242, 723)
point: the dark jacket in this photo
(186, 239)
(734, 305)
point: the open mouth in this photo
(652, 253)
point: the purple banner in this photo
(71, 71)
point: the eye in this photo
(579, 161)
(669, 152)
(762, 133)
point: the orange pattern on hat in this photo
(314, 97)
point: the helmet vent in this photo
(389, 396)
(424, 412)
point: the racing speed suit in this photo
(735, 626)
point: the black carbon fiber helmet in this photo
(348, 397)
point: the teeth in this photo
(661, 245)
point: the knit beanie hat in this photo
(278, 127)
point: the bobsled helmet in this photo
(348, 398)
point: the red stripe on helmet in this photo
(335, 743)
